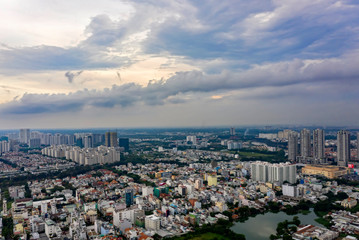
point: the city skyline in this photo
(167, 64)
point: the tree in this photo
(273, 237)
(287, 237)
(342, 195)
(296, 221)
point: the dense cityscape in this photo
(179, 120)
(178, 183)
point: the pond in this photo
(262, 226)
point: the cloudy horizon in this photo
(178, 63)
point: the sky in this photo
(159, 63)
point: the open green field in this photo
(254, 154)
(206, 236)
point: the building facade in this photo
(343, 148)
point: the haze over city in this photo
(178, 63)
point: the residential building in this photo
(152, 222)
(319, 145)
(24, 135)
(267, 172)
(111, 139)
(292, 146)
(305, 150)
(343, 148)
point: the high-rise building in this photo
(24, 135)
(292, 146)
(35, 143)
(111, 139)
(357, 145)
(343, 148)
(192, 140)
(318, 144)
(284, 134)
(129, 197)
(305, 143)
(232, 131)
(88, 141)
(267, 172)
(125, 143)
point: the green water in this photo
(261, 226)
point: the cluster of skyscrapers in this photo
(309, 153)
(314, 151)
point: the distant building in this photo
(24, 135)
(111, 139)
(284, 134)
(88, 141)
(327, 171)
(232, 131)
(343, 148)
(125, 143)
(305, 150)
(319, 144)
(292, 146)
(269, 136)
(192, 139)
(267, 172)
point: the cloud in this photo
(248, 33)
(305, 74)
(242, 51)
(72, 75)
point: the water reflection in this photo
(262, 226)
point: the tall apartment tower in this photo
(318, 144)
(343, 148)
(111, 139)
(88, 141)
(267, 172)
(357, 145)
(232, 131)
(292, 146)
(24, 135)
(305, 143)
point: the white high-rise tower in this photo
(24, 135)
